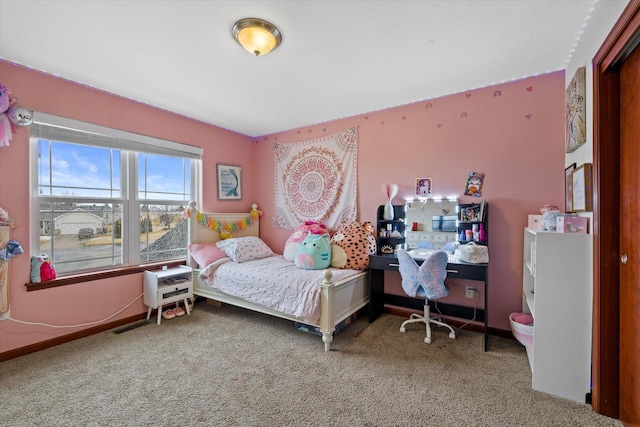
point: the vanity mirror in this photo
(430, 223)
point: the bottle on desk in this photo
(482, 235)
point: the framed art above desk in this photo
(456, 269)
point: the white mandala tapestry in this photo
(316, 180)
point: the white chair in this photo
(427, 281)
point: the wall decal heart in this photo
(439, 125)
(530, 88)
(382, 123)
(528, 116)
(366, 117)
(463, 115)
(404, 117)
(428, 106)
(324, 129)
(468, 95)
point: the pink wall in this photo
(86, 302)
(516, 138)
(513, 132)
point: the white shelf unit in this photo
(158, 291)
(557, 289)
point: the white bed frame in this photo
(338, 300)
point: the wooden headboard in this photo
(200, 233)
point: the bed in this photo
(338, 298)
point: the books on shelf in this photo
(174, 280)
(473, 212)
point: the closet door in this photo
(629, 245)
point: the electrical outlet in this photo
(470, 291)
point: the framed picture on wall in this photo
(582, 188)
(423, 187)
(568, 186)
(575, 111)
(229, 182)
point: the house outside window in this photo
(103, 198)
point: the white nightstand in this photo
(166, 286)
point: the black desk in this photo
(455, 269)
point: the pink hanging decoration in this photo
(6, 132)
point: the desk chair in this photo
(427, 281)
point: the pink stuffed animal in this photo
(4, 98)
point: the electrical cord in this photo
(80, 324)
(475, 310)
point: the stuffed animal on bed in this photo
(352, 244)
(298, 235)
(41, 269)
(314, 253)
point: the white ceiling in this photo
(337, 58)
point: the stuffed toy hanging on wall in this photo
(11, 115)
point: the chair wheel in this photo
(402, 329)
(427, 340)
(452, 335)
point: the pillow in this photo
(205, 253)
(314, 253)
(352, 244)
(241, 249)
(298, 235)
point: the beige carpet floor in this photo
(231, 367)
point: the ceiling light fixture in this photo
(257, 36)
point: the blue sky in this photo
(88, 169)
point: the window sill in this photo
(99, 275)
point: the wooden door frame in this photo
(606, 213)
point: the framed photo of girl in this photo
(229, 182)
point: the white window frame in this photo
(55, 128)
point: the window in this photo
(103, 198)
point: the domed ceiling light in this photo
(257, 36)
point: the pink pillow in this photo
(205, 253)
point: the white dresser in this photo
(557, 287)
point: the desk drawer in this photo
(467, 272)
(454, 270)
(384, 263)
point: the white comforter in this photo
(272, 282)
